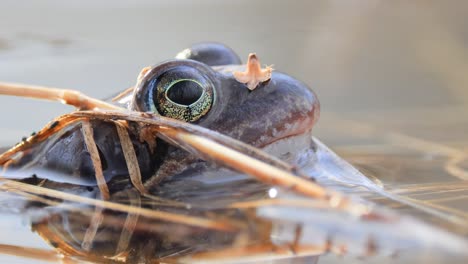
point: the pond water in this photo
(391, 78)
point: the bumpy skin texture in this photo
(278, 108)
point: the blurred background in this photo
(368, 59)
(392, 76)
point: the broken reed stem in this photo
(243, 163)
(31, 253)
(130, 158)
(88, 136)
(69, 97)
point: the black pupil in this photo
(185, 92)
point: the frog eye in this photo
(181, 92)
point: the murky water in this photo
(391, 77)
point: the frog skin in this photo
(277, 112)
(278, 108)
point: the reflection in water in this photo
(217, 214)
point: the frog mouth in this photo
(294, 128)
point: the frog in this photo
(206, 85)
(186, 205)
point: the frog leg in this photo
(66, 96)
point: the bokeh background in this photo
(388, 73)
(361, 57)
